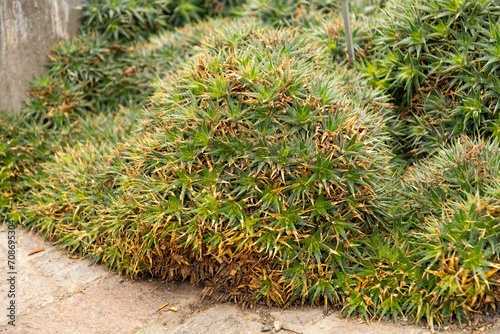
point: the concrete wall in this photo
(28, 30)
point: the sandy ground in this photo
(58, 294)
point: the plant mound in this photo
(451, 204)
(440, 60)
(253, 172)
(465, 169)
(93, 90)
(323, 21)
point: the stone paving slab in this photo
(58, 294)
(225, 319)
(44, 277)
(105, 307)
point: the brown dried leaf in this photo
(36, 250)
(130, 71)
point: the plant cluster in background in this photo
(96, 84)
(243, 152)
(440, 62)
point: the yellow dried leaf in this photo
(167, 303)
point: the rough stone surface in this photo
(59, 294)
(28, 30)
(105, 307)
(44, 277)
(220, 320)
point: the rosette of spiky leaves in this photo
(440, 260)
(329, 32)
(460, 252)
(440, 61)
(103, 76)
(126, 20)
(122, 20)
(464, 169)
(253, 172)
(277, 12)
(302, 13)
(89, 80)
(168, 51)
(447, 227)
(442, 268)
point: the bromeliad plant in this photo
(439, 60)
(254, 172)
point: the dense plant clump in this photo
(324, 21)
(121, 20)
(92, 79)
(440, 61)
(451, 204)
(464, 169)
(248, 155)
(252, 172)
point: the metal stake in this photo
(348, 31)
